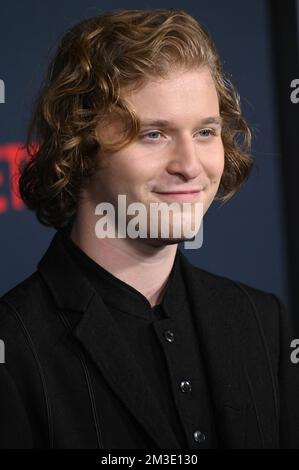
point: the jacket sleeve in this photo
(15, 431)
(15, 428)
(288, 380)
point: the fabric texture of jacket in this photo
(57, 346)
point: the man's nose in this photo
(186, 159)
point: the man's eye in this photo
(207, 132)
(150, 134)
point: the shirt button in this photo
(199, 436)
(169, 336)
(185, 386)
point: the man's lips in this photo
(178, 192)
(179, 195)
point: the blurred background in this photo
(252, 238)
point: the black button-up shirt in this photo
(163, 341)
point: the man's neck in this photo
(144, 267)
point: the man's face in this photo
(182, 155)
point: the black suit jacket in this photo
(59, 342)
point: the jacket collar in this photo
(71, 291)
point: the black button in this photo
(185, 386)
(169, 336)
(199, 436)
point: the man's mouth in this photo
(185, 196)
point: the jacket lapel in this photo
(99, 334)
(100, 337)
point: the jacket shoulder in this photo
(230, 288)
(247, 307)
(23, 299)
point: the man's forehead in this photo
(177, 74)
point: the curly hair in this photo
(95, 59)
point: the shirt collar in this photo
(120, 295)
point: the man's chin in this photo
(166, 241)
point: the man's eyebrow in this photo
(218, 120)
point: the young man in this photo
(119, 342)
